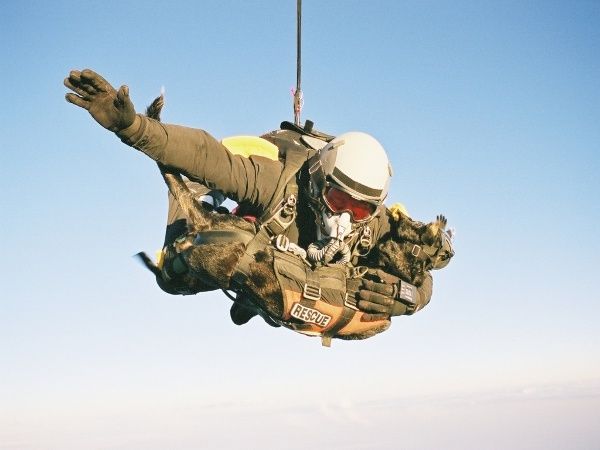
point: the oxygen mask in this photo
(336, 226)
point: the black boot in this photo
(241, 314)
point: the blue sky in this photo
(489, 111)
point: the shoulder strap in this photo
(294, 153)
(280, 212)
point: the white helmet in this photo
(351, 173)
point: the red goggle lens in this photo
(339, 201)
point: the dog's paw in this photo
(441, 221)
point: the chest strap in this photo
(219, 236)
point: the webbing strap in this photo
(312, 288)
(219, 236)
(282, 218)
(286, 186)
(343, 320)
(422, 253)
(242, 271)
(276, 225)
(315, 169)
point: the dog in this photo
(212, 265)
(413, 247)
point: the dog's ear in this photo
(442, 221)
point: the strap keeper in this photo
(311, 292)
(416, 250)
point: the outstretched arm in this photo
(193, 152)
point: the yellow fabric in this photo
(160, 258)
(397, 210)
(251, 145)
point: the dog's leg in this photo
(198, 218)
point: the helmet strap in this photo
(315, 170)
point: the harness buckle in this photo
(311, 292)
(289, 207)
(365, 241)
(283, 225)
(350, 302)
(416, 250)
(282, 243)
(358, 271)
(283, 217)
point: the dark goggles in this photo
(338, 201)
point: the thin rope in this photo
(298, 97)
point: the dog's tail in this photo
(154, 109)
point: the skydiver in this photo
(340, 190)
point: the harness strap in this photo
(275, 226)
(261, 240)
(312, 288)
(422, 253)
(218, 236)
(343, 320)
(279, 215)
(350, 309)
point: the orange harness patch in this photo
(319, 318)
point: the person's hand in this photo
(386, 297)
(376, 300)
(110, 108)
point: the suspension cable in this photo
(298, 97)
